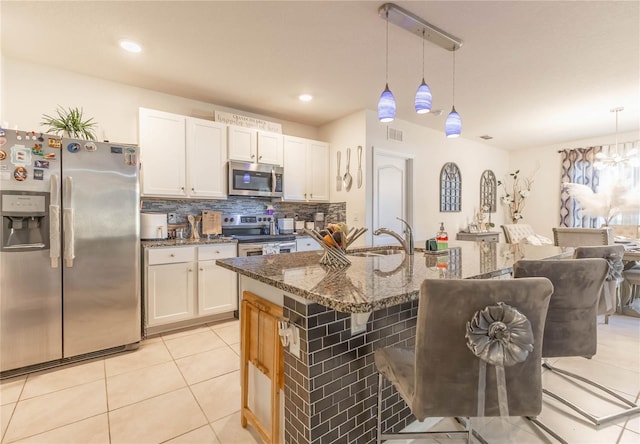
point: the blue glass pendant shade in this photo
(386, 106)
(453, 125)
(423, 98)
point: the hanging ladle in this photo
(347, 179)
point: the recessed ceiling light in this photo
(305, 97)
(130, 46)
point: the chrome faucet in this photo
(407, 242)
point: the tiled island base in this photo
(331, 390)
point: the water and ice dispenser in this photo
(25, 220)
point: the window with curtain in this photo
(578, 166)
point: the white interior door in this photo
(389, 194)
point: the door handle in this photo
(68, 224)
(54, 221)
(273, 180)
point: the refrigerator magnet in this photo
(90, 146)
(38, 174)
(54, 143)
(37, 149)
(50, 156)
(3, 154)
(20, 174)
(41, 164)
(116, 150)
(73, 147)
(3, 140)
(20, 155)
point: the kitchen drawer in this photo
(218, 251)
(170, 255)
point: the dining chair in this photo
(571, 326)
(608, 302)
(581, 237)
(450, 374)
(513, 233)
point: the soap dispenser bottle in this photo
(442, 238)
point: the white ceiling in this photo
(529, 73)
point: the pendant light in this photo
(387, 103)
(613, 159)
(453, 125)
(423, 99)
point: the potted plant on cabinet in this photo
(70, 123)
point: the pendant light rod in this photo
(415, 25)
(617, 110)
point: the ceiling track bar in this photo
(415, 25)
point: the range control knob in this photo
(226, 219)
(231, 220)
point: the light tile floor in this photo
(184, 388)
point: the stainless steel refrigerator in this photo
(69, 257)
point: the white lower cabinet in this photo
(217, 287)
(170, 293)
(184, 283)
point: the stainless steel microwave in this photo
(255, 179)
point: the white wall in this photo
(430, 150)
(28, 91)
(542, 210)
(348, 132)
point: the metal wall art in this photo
(450, 188)
(488, 191)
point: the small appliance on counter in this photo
(153, 226)
(285, 225)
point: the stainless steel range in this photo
(254, 233)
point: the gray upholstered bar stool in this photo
(571, 324)
(608, 301)
(440, 375)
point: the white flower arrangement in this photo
(515, 194)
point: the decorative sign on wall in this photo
(247, 122)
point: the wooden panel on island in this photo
(262, 348)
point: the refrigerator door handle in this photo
(54, 222)
(68, 226)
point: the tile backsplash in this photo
(334, 212)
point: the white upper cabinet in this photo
(162, 153)
(251, 145)
(306, 166)
(182, 156)
(206, 158)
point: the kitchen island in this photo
(343, 315)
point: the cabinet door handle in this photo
(253, 156)
(202, 269)
(259, 157)
(217, 252)
(172, 255)
(193, 190)
(181, 188)
(190, 270)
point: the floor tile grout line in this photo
(22, 438)
(195, 398)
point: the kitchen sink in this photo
(376, 253)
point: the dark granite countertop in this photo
(186, 242)
(372, 283)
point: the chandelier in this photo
(614, 158)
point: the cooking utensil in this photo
(359, 166)
(347, 179)
(198, 219)
(339, 176)
(192, 222)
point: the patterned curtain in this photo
(577, 167)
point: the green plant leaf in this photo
(70, 121)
